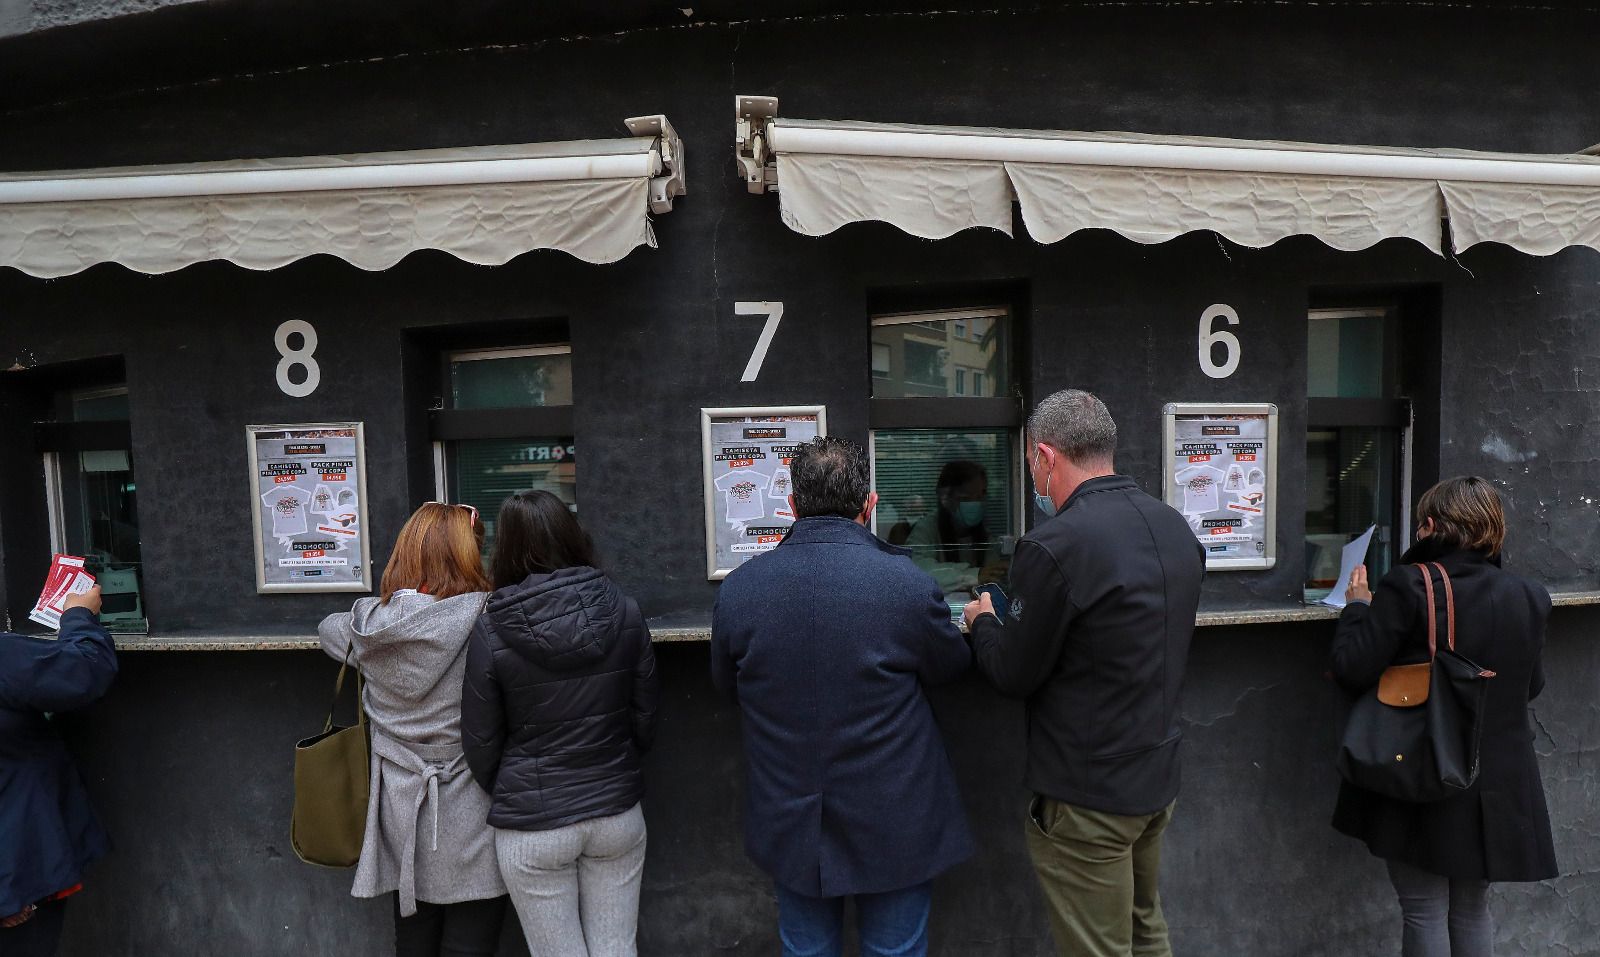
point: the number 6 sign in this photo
(1228, 340)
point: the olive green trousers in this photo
(1099, 873)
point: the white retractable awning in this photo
(934, 181)
(486, 204)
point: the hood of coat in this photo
(561, 620)
(412, 642)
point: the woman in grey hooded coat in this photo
(427, 840)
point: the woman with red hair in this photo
(428, 842)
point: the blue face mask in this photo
(1042, 500)
(970, 513)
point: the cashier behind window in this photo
(952, 543)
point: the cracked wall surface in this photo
(1251, 866)
(30, 16)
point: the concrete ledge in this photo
(1242, 616)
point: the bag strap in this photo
(1433, 616)
(338, 686)
(1449, 606)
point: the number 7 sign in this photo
(774, 313)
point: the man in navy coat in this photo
(827, 643)
(48, 833)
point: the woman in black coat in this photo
(558, 708)
(1442, 856)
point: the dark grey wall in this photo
(655, 337)
(190, 756)
(189, 759)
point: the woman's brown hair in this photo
(436, 554)
(1466, 514)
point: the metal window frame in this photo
(940, 315)
(54, 503)
(510, 352)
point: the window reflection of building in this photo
(963, 355)
(949, 494)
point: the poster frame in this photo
(264, 587)
(1169, 494)
(707, 416)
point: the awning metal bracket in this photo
(670, 183)
(754, 114)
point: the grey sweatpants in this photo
(576, 888)
(1441, 917)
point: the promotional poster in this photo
(747, 453)
(1221, 474)
(309, 487)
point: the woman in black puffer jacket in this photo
(557, 709)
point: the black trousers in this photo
(467, 929)
(38, 936)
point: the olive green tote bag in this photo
(330, 787)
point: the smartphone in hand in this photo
(997, 598)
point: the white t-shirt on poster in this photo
(288, 504)
(780, 483)
(1200, 491)
(743, 488)
(1235, 479)
(322, 501)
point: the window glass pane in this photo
(1352, 479)
(880, 359)
(485, 472)
(1345, 357)
(100, 407)
(923, 358)
(949, 496)
(510, 382)
(100, 516)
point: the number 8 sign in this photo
(303, 357)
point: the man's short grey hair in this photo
(1076, 423)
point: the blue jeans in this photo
(893, 924)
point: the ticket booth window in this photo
(945, 443)
(93, 498)
(506, 427)
(1358, 428)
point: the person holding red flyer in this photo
(52, 833)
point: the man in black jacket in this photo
(1095, 637)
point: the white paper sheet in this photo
(1353, 554)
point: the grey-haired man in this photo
(1096, 638)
